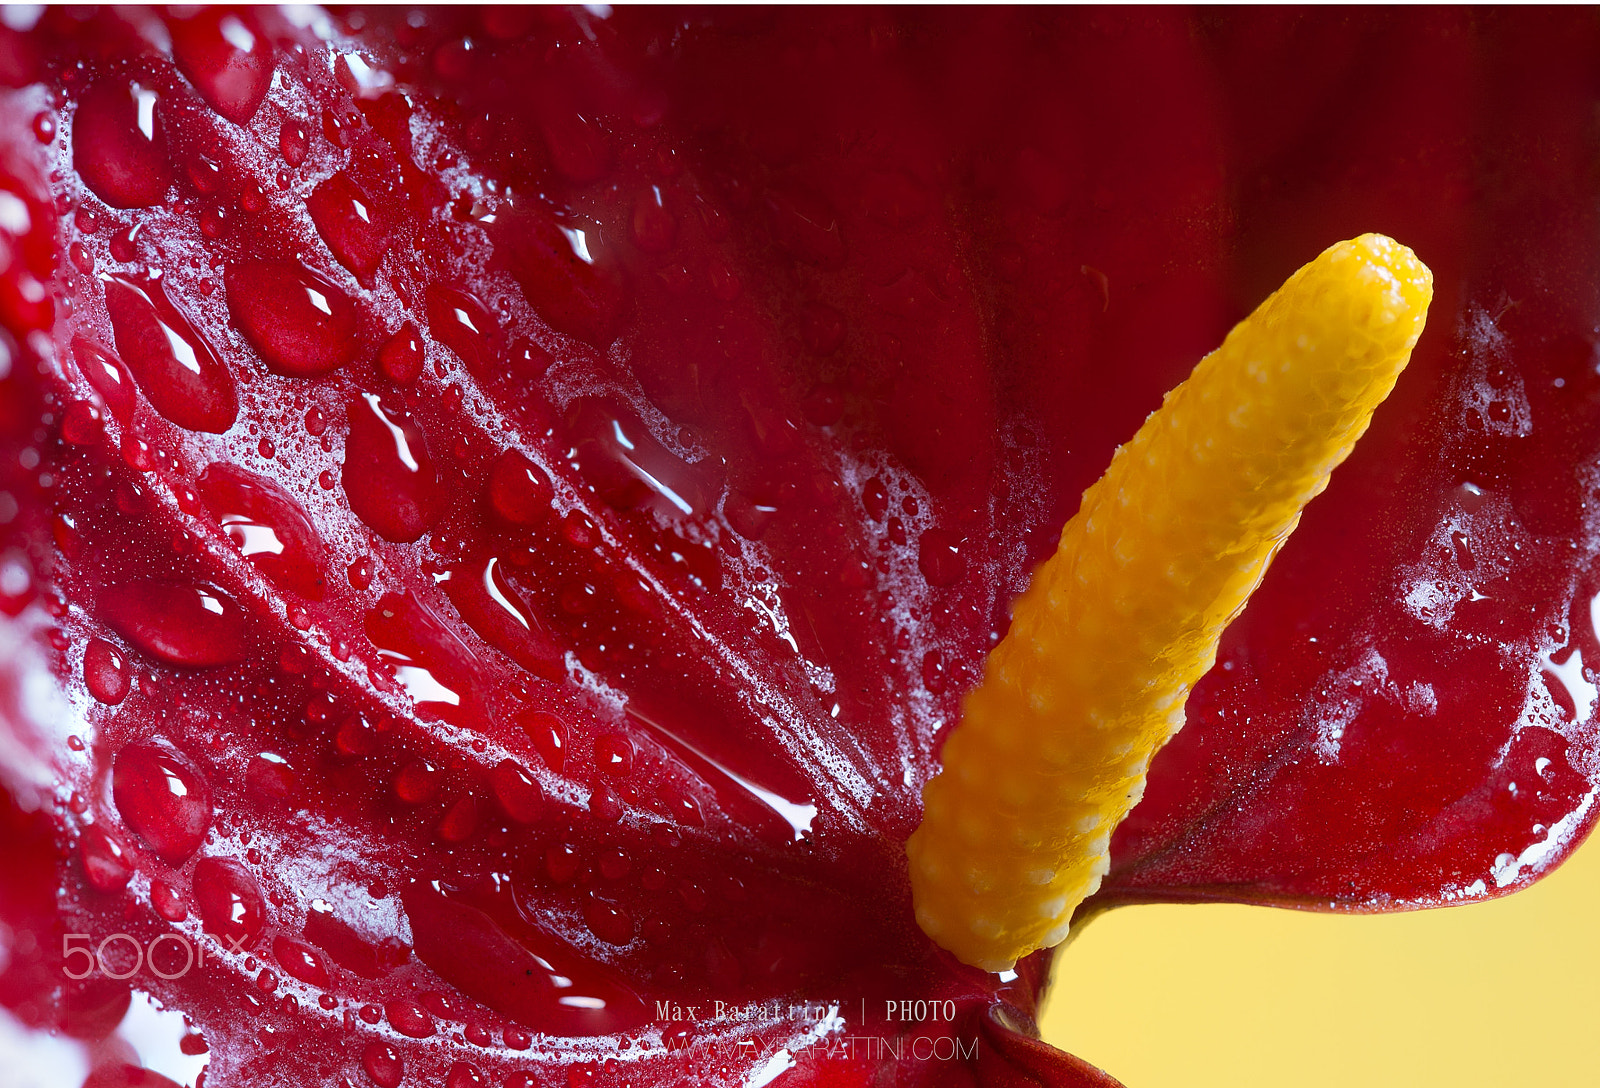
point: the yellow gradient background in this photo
(1488, 994)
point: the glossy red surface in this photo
(578, 462)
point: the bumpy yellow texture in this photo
(1121, 622)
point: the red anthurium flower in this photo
(498, 505)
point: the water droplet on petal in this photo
(653, 226)
(494, 609)
(401, 357)
(17, 585)
(293, 140)
(163, 798)
(524, 979)
(301, 323)
(184, 623)
(615, 864)
(519, 490)
(409, 1019)
(125, 243)
(416, 782)
(106, 374)
(608, 921)
(578, 295)
(519, 795)
(167, 902)
(230, 901)
(360, 573)
(270, 777)
(629, 468)
(351, 225)
(81, 258)
(748, 516)
(105, 862)
(603, 804)
(268, 525)
(105, 672)
(465, 1075)
(461, 821)
(549, 736)
(939, 557)
(300, 960)
(82, 424)
(383, 1065)
(429, 659)
(390, 479)
(577, 148)
(464, 325)
(119, 144)
(229, 63)
(177, 367)
(613, 754)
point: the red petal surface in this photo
(1406, 714)
(523, 665)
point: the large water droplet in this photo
(653, 226)
(227, 60)
(268, 525)
(105, 672)
(176, 366)
(401, 356)
(608, 921)
(389, 477)
(339, 940)
(383, 1064)
(294, 139)
(939, 557)
(115, 1074)
(409, 1018)
(613, 754)
(301, 323)
(532, 978)
(163, 797)
(764, 792)
(105, 862)
(300, 960)
(561, 278)
(434, 666)
(464, 325)
(577, 148)
(185, 623)
(230, 902)
(519, 490)
(460, 820)
(119, 143)
(351, 225)
(495, 610)
(18, 587)
(107, 375)
(465, 1075)
(519, 795)
(271, 778)
(549, 736)
(417, 782)
(629, 468)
